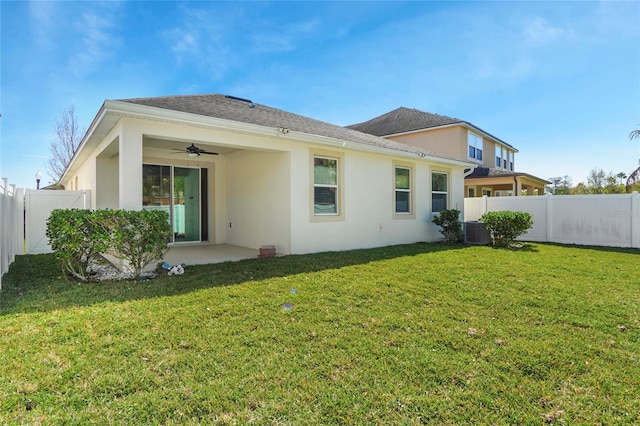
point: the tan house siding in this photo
(448, 141)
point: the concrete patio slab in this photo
(204, 253)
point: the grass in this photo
(413, 334)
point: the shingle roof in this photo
(488, 172)
(245, 111)
(403, 120)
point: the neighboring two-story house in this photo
(495, 174)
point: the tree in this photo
(621, 176)
(66, 143)
(560, 185)
(634, 176)
(555, 181)
(599, 182)
(565, 187)
(596, 181)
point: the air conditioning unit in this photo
(476, 233)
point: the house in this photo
(494, 159)
(231, 171)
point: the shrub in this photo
(449, 221)
(80, 237)
(77, 239)
(139, 237)
(506, 226)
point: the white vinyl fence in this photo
(601, 220)
(23, 219)
(38, 206)
(9, 209)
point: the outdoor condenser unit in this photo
(476, 233)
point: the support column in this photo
(130, 166)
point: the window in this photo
(402, 190)
(472, 192)
(325, 186)
(511, 161)
(486, 192)
(475, 146)
(498, 156)
(439, 191)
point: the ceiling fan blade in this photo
(192, 150)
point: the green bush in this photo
(505, 226)
(139, 237)
(80, 237)
(77, 238)
(449, 221)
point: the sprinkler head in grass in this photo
(288, 306)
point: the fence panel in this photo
(592, 220)
(8, 226)
(38, 206)
(602, 220)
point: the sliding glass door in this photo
(177, 191)
(186, 204)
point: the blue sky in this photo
(560, 81)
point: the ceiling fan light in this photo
(192, 154)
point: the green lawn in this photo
(412, 334)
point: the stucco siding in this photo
(449, 141)
(257, 199)
(369, 219)
(260, 187)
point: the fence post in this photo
(3, 201)
(20, 231)
(549, 201)
(635, 220)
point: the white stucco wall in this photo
(369, 219)
(258, 199)
(261, 186)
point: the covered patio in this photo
(205, 253)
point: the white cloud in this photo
(97, 39)
(540, 32)
(285, 38)
(199, 40)
(184, 43)
(43, 20)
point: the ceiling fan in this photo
(194, 151)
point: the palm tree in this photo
(635, 175)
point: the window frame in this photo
(411, 213)
(471, 192)
(476, 149)
(445, 192)
(339, 186)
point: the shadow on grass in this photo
(35, 283)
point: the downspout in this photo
(467, 172)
